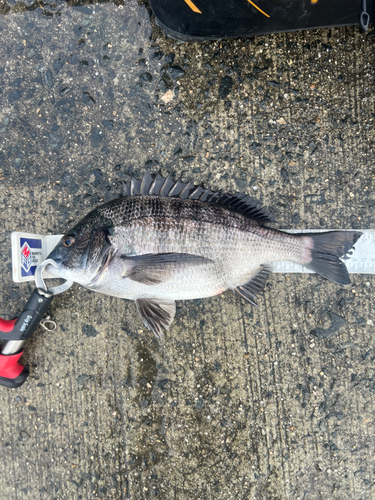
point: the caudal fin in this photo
(326, 250)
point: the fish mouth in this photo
(52, 269)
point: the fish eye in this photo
(68, 241)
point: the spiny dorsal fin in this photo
(146, 183)
(167, 187)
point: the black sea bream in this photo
(165, 241)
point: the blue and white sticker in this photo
(31, 255)
(28, 251)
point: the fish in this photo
(165, 240)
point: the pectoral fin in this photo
(255, 286)
(156, 314)
(151, 269)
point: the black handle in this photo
(30, 317)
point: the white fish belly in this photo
(187, 283)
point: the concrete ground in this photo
(235, 402)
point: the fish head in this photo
(84, 251)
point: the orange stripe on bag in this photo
(253, 4)
(193, 7)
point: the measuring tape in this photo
(29, 250)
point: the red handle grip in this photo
(9, 366)
(12, 373)
(7, 325)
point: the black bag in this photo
(194, 20)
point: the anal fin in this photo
(156, 314)
(255, 286)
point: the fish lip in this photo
(52, 269)
(57, 260)
(49, 267)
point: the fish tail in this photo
(323, 251)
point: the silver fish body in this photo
(231, 248)
(158, 248)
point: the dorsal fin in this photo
(135, 187)
(165, 186)
(146, 184)
(156, 185)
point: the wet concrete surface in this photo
(235, 402)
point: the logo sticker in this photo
(31, 251)
(26, 257)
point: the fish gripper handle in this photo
(15, 332)
(24, 326)
(12, 373)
